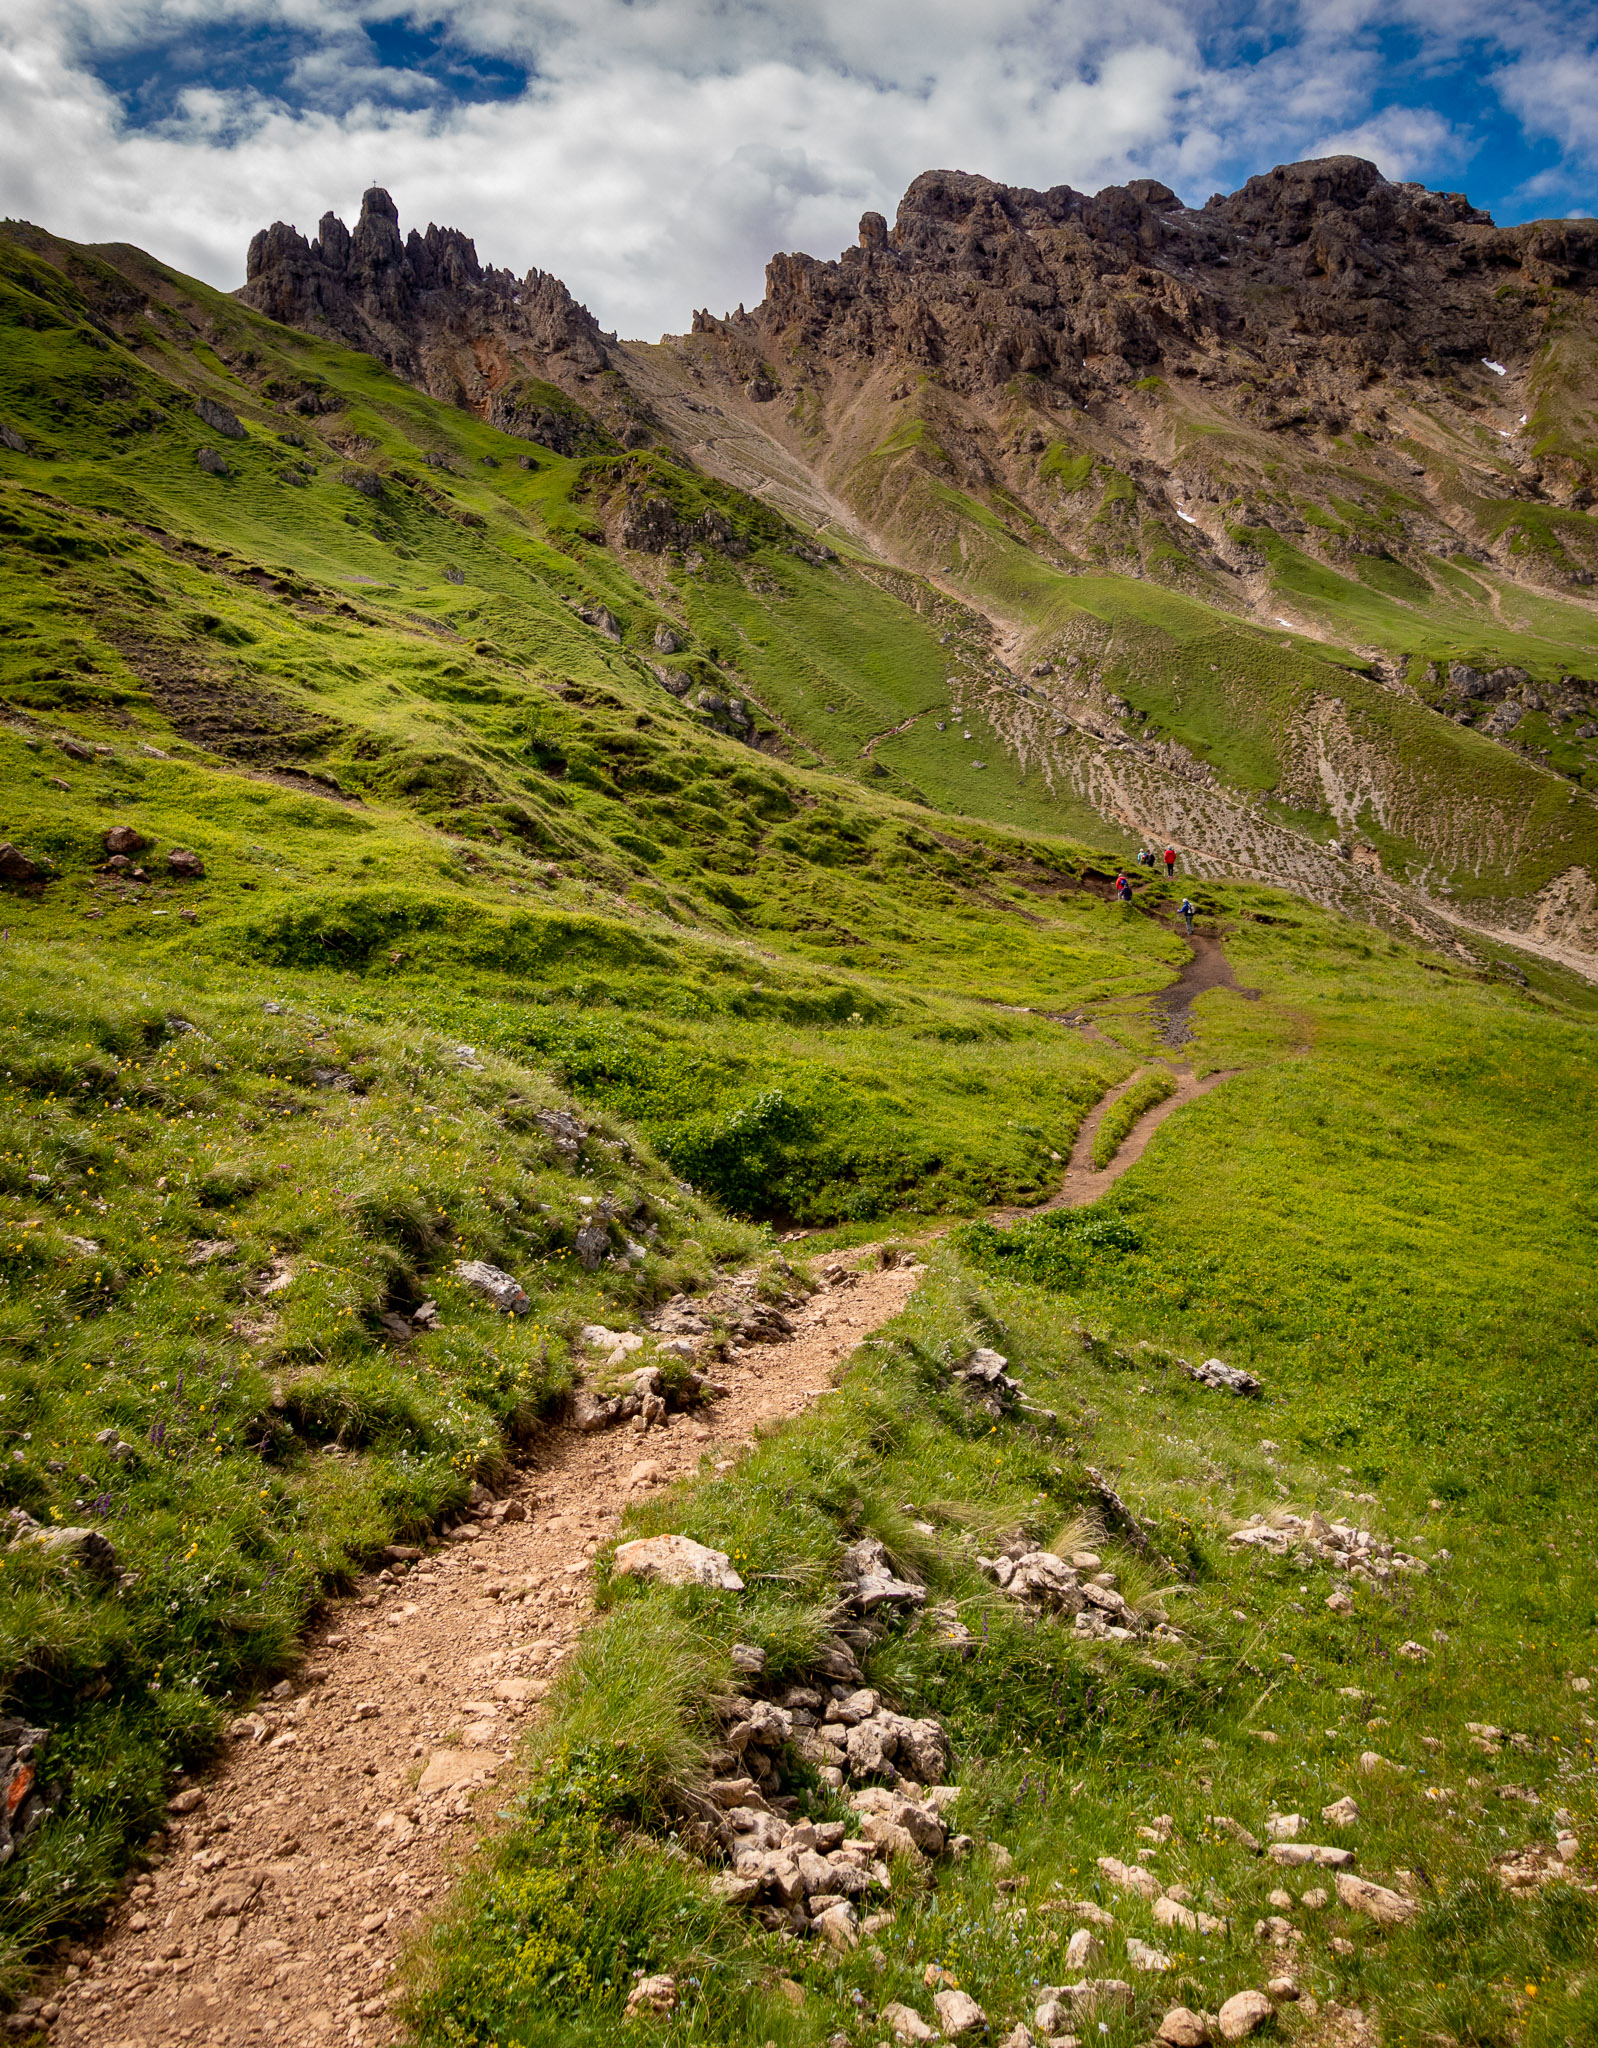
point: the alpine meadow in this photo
(677, 1366)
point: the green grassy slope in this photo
(1481, 818)
(466, 858)
(435, 807)
(1389, 1227)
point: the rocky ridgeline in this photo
(465, 332)
(1324, 263)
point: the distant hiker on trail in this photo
(1146, 858)
(1123, 888)
(1187, 916)
(1170, 862)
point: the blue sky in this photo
(655, 152)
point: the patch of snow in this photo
(1191, 521)
(1504, 434)
(1288, 623)
(1497, 369)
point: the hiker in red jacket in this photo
(1123, 888)
(1170, 862)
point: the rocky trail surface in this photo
(291, 1876)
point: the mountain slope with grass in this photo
(1131, 443)
(430, 848)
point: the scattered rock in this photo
(123, 839)
(1129, 1877)
(503, 1291)
(1297, 1854)
(869, 1582)
(1152, 1961)
(591, 1243)
(676, 1561)
(1342, 1813)
(906, 2024)
(652, 1994)
(1388, 1908)
(219, 419)
(1182, 2028)
(211, 462)
(85, 1547)
(23, 1802)
(958, 2013)
(838, 1924)
(185, 866)
(1242, 2013)
(1226, 1379)
(1235, 1828)
(15, 866)
(567, 1131)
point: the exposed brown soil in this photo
(1085, 1183)
(1208, 968)
(337, 1821)
(216, 709)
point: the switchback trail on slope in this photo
(297, 1869)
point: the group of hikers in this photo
(1149, 859)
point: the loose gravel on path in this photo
(309, 1856)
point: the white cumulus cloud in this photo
(663, 149)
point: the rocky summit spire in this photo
(428, 308)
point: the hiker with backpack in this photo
(1123, 888)
(1187, 915)
(1170, 862)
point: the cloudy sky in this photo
(655, 152)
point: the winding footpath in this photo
(292, 1874)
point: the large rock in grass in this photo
(123, 839)
(958, 2014)
(15, 866)
(1242, 2013)
(219, 419)
(84, 1547)
(500, 1287)
(676, 1561)
(22, 1798)
(1375, 1901)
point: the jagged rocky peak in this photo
(394, 294)
(987, 280)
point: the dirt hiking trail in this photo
(1085, 1183)
(295, 1871)
(1208, 968)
